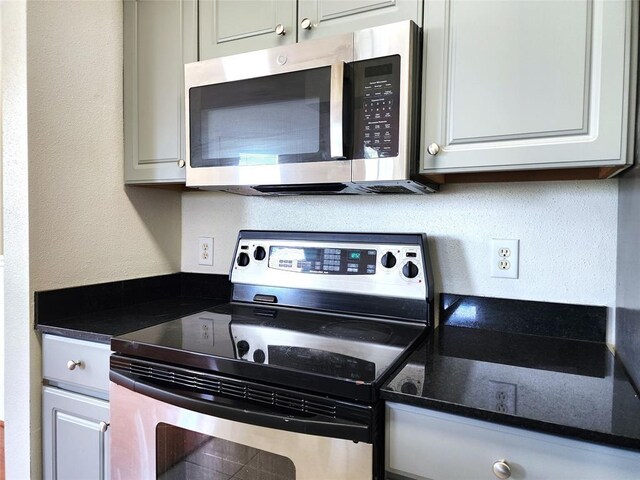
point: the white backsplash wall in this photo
(567, 232)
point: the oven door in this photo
(272, 117)
(154, 438)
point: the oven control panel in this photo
(385, 268)
(330, 261)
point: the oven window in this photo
(184, 454)
(261, 121)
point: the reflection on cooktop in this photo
(365, 331)
(341, 347)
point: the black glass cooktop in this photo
(330, 354)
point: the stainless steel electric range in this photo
(283, 381)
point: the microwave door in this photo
(276, 130)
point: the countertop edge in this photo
(539, 426)
(76, 334)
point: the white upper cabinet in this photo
(228, 27)
(159, 38)
(323, 18)
(513, 85)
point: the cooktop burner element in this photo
(322, 312)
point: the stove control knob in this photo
(388, 260)
(259, 356)
(243, 259)
(410, 270)
(259, 253)
(243, 348)
(409, 388)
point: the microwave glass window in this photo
(276, 119)
(259, 134)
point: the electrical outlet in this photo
(205, 251)
(503, 397)
(504, 258)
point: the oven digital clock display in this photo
(338, 261)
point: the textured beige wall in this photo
(69, 219)
(85, 225)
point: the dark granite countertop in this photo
(99, 312)
(102, 325)
(546, 382)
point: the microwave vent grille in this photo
(388, 189)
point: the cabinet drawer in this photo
(426, 444)
(92, 369)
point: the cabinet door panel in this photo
(508, 71)
(527, 84)
(74, 445)
(160, 37)
(423, 443)
(228, 27)
(329, 17)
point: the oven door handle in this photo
(246, 412)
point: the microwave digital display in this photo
(377, 70)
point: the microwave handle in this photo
(336, 105)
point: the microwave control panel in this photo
(376, 116)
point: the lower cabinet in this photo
(424, 444)
(75, 435)
(75, 409)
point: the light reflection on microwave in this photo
(257, 159)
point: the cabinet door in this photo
(328, 17)
(526, 84)
(75, 447)
(427, 444)
(159, 38)
(228, 27)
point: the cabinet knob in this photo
(72, 364)
(305, 24)
(433, 149)
(103, 426)
(181, 163)
(280, 30)
(501, 469)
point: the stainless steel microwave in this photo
(333, 115)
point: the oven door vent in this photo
(209, 383)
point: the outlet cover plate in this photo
(505, 258)
(205, 251)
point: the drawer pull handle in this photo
(103, 426)
(72, 364)
(501, 469)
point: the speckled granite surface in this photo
(545, 382)
(98, 312)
